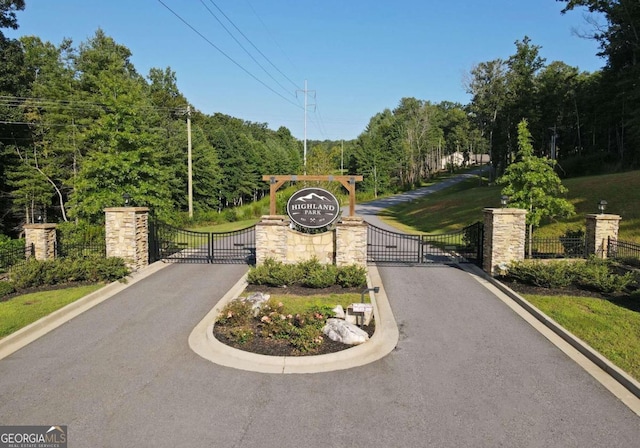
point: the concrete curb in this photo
(381, 343)
(626, 388)
(26, 335)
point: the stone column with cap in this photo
(351, 241)
(127, 235)
(43, 238)
(504, 237)
(599, 228)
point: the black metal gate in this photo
(464, 246)
(176, 245)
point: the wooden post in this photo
(275, 182)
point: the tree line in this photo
(588, 123)
(79, 127)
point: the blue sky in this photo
(358, 56)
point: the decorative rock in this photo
(340, 331)
(339, 312)
(257, 299)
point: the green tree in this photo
(487, 85)
(120, 142)
(12, 83)
(619, 39)
(532, 184)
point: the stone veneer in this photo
(43, 237)
(345, 245)
(127, 235)
(351, 241)
(598, 229)
(504, 237)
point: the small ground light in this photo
(504, 200)
(127, 198)
(375, 289)
(602, 205)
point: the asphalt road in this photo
(467, 372)
(370, 210)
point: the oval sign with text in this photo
(313, 208)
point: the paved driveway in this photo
(467, 372)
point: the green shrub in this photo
(6, 288)
(34, 273)
(236, 313)
(596, 275)
(554, 274)
(273, 273)
(635, 294)
(241, 335)
(307, 338)
(312, 274)
(352, 276)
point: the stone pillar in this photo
(598, 229)
(127, 235)
(351, 241)
(271, 238)
(43, 238)
(504, 237)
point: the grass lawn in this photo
(227, 226)
(611, 329)
(444, 211)
(461, 205)
(301, 304)
(22, 310)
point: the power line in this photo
(226, 55)
(242, 46)
(15, 101)
(252, 44)
(276, 42)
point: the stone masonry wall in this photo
(303, 247)
(271, 238)
(347, 244)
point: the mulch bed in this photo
(539, 290)
(621, 299)
(279, 347)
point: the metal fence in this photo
(624, 251)
(556, 247)
(463, 246)
(11, 256)
(187, 246)
(79, 250)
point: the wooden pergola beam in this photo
(276, 181)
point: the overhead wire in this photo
(252, 44)
(275, 41)
(227, 56)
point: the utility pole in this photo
(189, 167)
(342, 157)
(306, 105)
